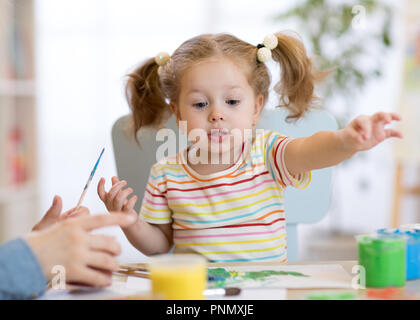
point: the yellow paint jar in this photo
(178, 276)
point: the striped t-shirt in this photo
(233, 215)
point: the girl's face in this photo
(218, 104)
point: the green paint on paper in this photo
(331, 296)
(225, 277)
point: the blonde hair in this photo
(148, 93)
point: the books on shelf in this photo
(18, 167)
(6, 22)
(17, 88)
(16, 39)
(15, 140)
(17, 96)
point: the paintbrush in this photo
(89, 180)
(222, 292)
(133, 273)
(135, 267)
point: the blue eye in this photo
(233, 102)
(200, 105)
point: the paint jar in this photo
(413, 254)
(414, 226)
(413, 249)
(384, 258)
(178, 276)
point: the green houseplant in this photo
(348, 37)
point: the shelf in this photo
(18, 135)
(18, 193)
(17, 88)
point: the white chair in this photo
(301, 206)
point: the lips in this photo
(218, 135)
(218, 131)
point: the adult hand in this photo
(87, 258)
(53, 215)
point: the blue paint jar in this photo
(413, 249)
(415, 226)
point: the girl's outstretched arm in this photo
(329, 148)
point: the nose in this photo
(216, 115)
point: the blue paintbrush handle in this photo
(90, 179)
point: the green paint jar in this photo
(384, 259)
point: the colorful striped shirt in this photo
(233, 215)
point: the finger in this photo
(103, 261)
(121, 198)
(55, 209)
(115, 189)
(82, 211)
(364, 127)
(51, 216)
(395, 116)
(387, 117)
(90, 276)
(98, 221)
(130, 204)
(104, 243)
(101, 189)
(66, 214)
(115, 180)
(73, 213)
(382, 117)
(392, 133)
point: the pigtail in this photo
(298, 78)
(145, 97)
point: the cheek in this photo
(193, 117)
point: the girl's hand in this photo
(365, 132)
(116, 199)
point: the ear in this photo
(259, 103)
(174, 109)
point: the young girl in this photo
(229, 210)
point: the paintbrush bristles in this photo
(233, 291)
(134, 273)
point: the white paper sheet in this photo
(118, 289)
(271, 287)
(256, 294)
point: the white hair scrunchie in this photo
(264, 53)
(161, 59)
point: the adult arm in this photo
(21, 276)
